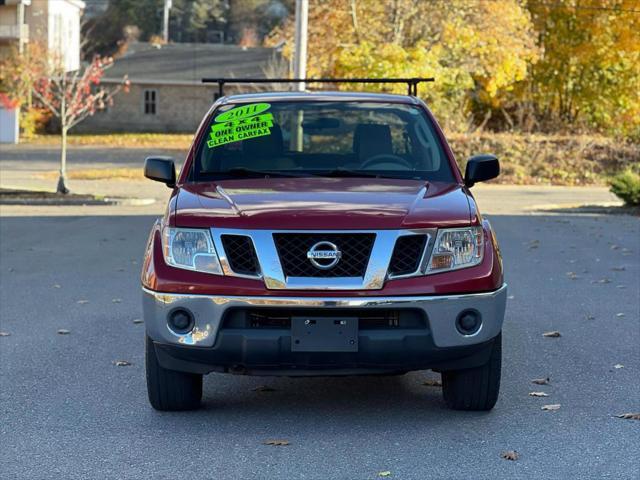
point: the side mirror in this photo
(160, 169)
(481, 168)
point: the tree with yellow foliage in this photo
(589, 73)
(476, 50)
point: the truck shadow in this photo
(310, 400)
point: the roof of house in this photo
(188, 63)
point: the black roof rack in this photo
(412, 83)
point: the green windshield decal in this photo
(240, 123)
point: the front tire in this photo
(475, 388)
(170, 390)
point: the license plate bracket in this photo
(322, 334)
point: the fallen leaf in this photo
(82, 302)
(548, 408)
(510, 455)
(604, 280)
(511, 297)
(138, 320)
(63, 331)
(56, 285)
(618, 366)
(590, 317)
(116, 300)
(122, 363)
(4, 334)
(552, 334)
(572, 275)
(619, 315)
(629, 416)
(263, 388)
(277, 443)
(541, 381)
(385, 473)
(614, 247)
(621, 286)
(432, 383)
(538, 394)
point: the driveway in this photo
(67, 411)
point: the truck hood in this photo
(321, 203)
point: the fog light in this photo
(468, 322)
(181, 321)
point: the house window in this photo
(102, 107)
(150, 98)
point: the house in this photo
(53, 23)
(166, 92)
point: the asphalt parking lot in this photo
(67, 411)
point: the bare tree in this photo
(74, 96)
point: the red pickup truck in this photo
(325, 233)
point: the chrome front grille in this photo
(354, 248)
(295, 260)
(407, 255)
(241, 254)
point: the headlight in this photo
(456, 248)
(191, 249)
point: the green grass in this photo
(98, 174)
(119, 140)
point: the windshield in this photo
(321, 138)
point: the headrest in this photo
(371, 139)
(267, 146)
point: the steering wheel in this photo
(385, 158)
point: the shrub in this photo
(32, 121)
(626, 186)
(548, 159)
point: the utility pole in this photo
(20, 23)
(165, 23)
(300, 59)
(299, 71)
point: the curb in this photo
(22, 198)
(131, 202)
(574, 206)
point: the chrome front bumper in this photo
(441, 312)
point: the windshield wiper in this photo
(245, 172)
